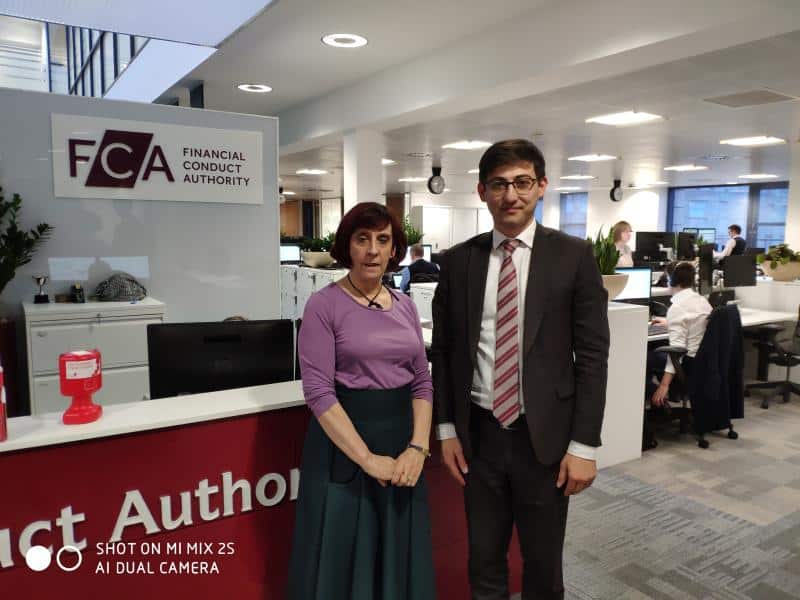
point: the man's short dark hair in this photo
(681, 274)
(417, 250)
(736, 229)
(509, 152)
(371, 216)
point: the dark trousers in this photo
(507, 486)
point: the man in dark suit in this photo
(520, 362)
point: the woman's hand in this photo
(380, 467)
(659, 321)
(408, 467)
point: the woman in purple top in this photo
(362, 529)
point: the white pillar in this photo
(364, 179)
(792, 235)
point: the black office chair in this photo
(784, 354)
(725, 328)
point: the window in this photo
(759, 209)
(770, 221)
(108, 60)
(123, 52)
(537, 214)
(573, 214)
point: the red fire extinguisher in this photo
(81, 376)
(3, 415)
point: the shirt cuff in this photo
(582, 450)
(445, 431)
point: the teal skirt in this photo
(354, 539)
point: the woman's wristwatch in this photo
(424, 451)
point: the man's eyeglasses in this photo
(523, 185)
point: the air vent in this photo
(751, 98)
(419, 154)
(319, 190)
(713, 157)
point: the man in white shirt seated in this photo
(735, 245)
(686, 320)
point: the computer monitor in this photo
(739, 270)
(192, 358)
(290, 253)
(754, 251)
(638, 286)
(650, 243)
(427, 249)
(686, 242)
(397, 280)
(706, 268)
(693, 230)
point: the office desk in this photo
(751, 317)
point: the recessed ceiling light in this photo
(311, 172)
(258, 88)
(621, 119)
(686, 168)
(344, 40)
(447, 189)
(412, 179)
(756, 140)
(473, 171)
(467, 145)
(388, 161)
(578, 177)
(288, 193)
(647, 184)
(758, 176)
(568, 188)
(592, 157)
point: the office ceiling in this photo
(555, 121)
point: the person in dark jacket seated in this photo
(735, 245)
(418, 266)
(686, 320)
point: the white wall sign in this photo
(138, 160)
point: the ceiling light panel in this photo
(592, 157)
(624, 119)
(311, 172)
(683, 168)
(467, 145)
(754, 141)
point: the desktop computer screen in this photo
(290, 253)
(649, 243)
(739, 270)
(427, 249)
(397, 280)
(709, 235)
(638, 286)
(686, 242)
(191, 358)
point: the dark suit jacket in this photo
(565, 346)
(716, 381)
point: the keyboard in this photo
(654, 329)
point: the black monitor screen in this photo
(192, 358)
(650, 242)
(739, 270)
(686, 242)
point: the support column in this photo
(792, 235)
(364, 179)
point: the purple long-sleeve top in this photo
(343, 342)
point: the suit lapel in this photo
(477, 269)
(540, 272)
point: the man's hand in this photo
(660, 395)
(577, 473)
(453, 457)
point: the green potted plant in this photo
(17, 246)
(607, 256)
(317, 251)
(413, 235)
(780, 262)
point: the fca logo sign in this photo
(119, 159)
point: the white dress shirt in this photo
(625, 256)
(687, 319)
(726, 251)
(483, 375)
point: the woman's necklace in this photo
(372, 301)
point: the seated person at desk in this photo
(622, 235)
(418, 265)
(734, 246)
(686, 322)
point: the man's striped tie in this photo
(506, 353)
